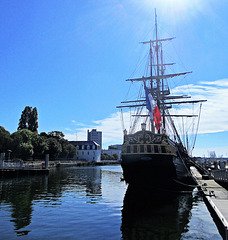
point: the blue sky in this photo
(70, 59)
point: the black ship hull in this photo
(154, 161)
(157, 172)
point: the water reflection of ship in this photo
(154, 216)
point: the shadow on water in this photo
(156, 215)
(21, 193)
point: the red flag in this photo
(157, 117)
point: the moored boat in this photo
(154, 154)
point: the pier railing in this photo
(220, 175)
(12, 164)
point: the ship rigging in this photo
(157, 155)
(156, 85)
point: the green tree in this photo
(64, 153)
(33, 120)
(57, 134)
(5, 140)
(67, 150)
(44, 134)
(71, 150)
(26, 150)
(23, 135)
(115, 156)
(29, 119)
(19, 137)
(40, 145)
(54, 147)
(105, 156)
(25, 115)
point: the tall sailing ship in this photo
(155, 155)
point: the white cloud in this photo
(110, 127)
(78, 123)
(220, 83)
(68, 129)
(79, 135)
(214, 117)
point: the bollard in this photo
(216, 165)
(2, 160)
(222, 165)
(46, 161)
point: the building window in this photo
(82, 153)
(88, 152)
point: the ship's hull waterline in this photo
(157, 172)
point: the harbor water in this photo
(93, 203)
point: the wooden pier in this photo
(216, 196)
(17, 168)
(15, 172)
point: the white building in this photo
(95, 136)
(87, 150)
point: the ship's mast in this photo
(151, 80)
(156, 46)
(163, 90)
(157, 60)
(158, 90)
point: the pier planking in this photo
(216, 196)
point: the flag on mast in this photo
(151, 105)
(157, 117)
(150, 102)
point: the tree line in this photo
(105, 156)
(26, 143)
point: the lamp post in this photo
(9, 151)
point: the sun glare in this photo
(179, 5)
(176, 8)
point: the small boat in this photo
(155, 155)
